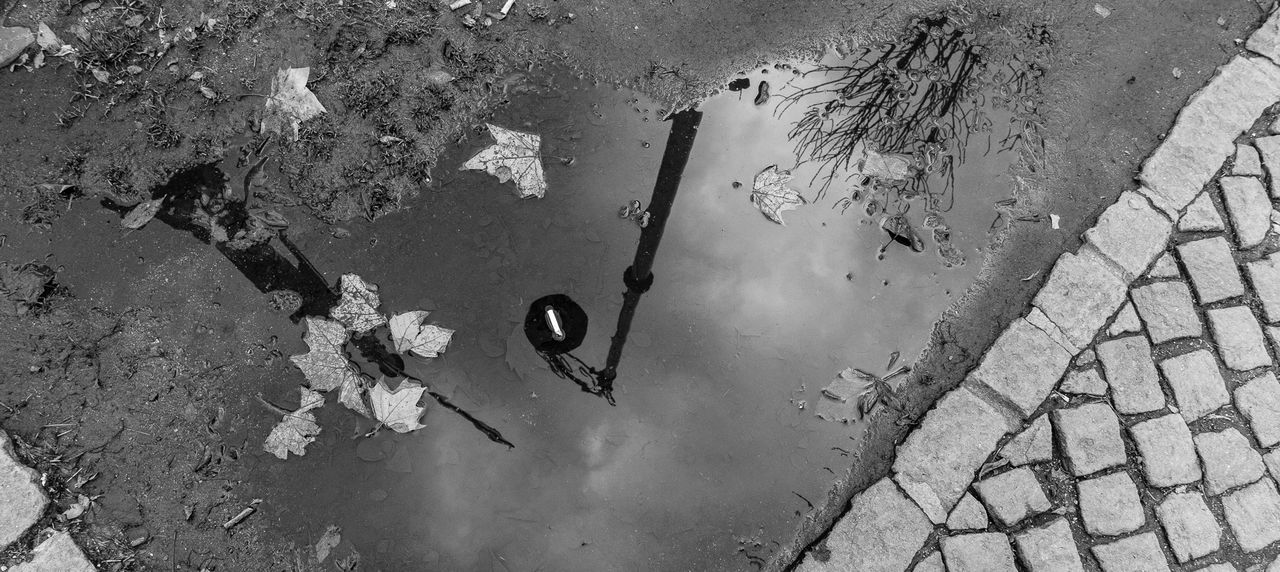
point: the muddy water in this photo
(713, 446)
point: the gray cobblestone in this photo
(1168, 453)
(1264, 275)
(983, 552)
(1212, 269)
(1050, 548)
(1139, 553)
(1013, 496)
(1219, 567)
(1131, 373)
(1247, 162)
(1168, 310)
(969, 514)
(1084, 382)
(1204, 133)
(1033, 445)
(882, 532)
(1259, 401)
(1228, 459)
(1266, 39)
(1081, 293)
(1126, 321)
(1089, 436)
(58, 553)
(1269, 147)
(21, 497)
(1250, 209)
(937, 462)
(1109, 505)
(1197, 383)
(1190, 527)
(1131, 233)
(1253, 513)
(1272, 460)
(931, 563)
(1202, 216)
(1165, 267)
(1239, 338)
(1023, 365)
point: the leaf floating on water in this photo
(326, 366)
(840, 397)
(771, 194)
(358, 307)
(411, 335)
(351, 394)
(514, 156)
(900, 230)
(142, 214)
(296, 430)
(893, 358)
(290, 103)
(398, 409)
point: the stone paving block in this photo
(1013, 496)
(1081, 293)
(1253, 513)
(1089, 437)
(1033, 445)
(1220, 567)
(969, 514)
(1131, 373)
(21, 497)
(13, 40)
(1126, 321)
(1229, 460)
(1167, 451)
(1274, 566)
(1139, 553)
(1259, 400)
(1250, 209)
(938, 461)
(1212, 269)
(1190, 527)
(1197, 383)
(983, 552)
(1165, 267)
(1265, 40)
(1051, 548)
(1272, 460)
(931, 563)
(1205, 131)
(1239, 338)
(1269, 147)
(882, 532)
(1273, 334)
(1248, 162)
(1023, 365)
(1264, 275)
(1202, 216)
(1084, 382)
(1131, 233)
(58, 553)
(1109, 505)
(1168, 310)
(1039, 320)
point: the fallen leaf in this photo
(1102, 10)
(297, 429)
(208, 93)
(886, 166)
(76, 509)
(771, 194)
(351, 394)
(901, 231)
(515, 155)
(326, 366)
(290, 103)
(398, 410)
(331, 538)
(101, 75)
(358, 307)
(142, 214)
(410, 335)
(839, 400)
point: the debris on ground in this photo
(900, 231)
(411, 335)
(514, 156)
(739, 84)
(142, 214)
(331, 538)
(23, 288)
(290, 103)
(1102, 10)
(839, 401)
(762, 93)
(296, 429)
(1055, 221)
(398, 409)
(770, 193)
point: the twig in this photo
(239, 517)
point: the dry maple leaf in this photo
(297, 429)
(326, 366)
(771, 194)
(515, 155)
(358, 307)
(411, 335)
(398, 410)
(290, 103)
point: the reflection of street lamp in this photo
(557, 310)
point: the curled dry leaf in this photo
(410, 335)
(297, 429)
(358, 307)
(514, 156)
(771, 194)
(76, 509)
(290, 103)
(841, 399)
(398, 409)
(142, 214)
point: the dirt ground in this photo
(137, 395)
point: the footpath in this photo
(1130, 421)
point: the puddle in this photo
(707, 455)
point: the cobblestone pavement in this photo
(1130, 421)
(22, 504)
